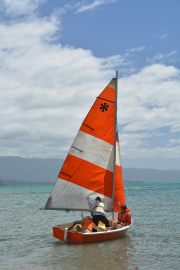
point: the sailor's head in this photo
(98, 199)
(123, 207)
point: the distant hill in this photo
(25, 170)
(36, 170)
(151, 175)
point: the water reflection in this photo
(110, 255)
(107, 255)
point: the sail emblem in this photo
(104, 107)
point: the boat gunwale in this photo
(110, 231)
(106, 232)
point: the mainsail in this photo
(91, 167)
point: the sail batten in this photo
(106, 99)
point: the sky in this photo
(57, 56)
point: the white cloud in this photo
(149, 101)
(136, 49)
(85, 6)
(22, 35)
(19, 7)
(164, 36)
(45, 88)
(163, 58)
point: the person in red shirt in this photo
(124, 216)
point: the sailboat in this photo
(92, 168)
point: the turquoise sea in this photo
(152, 243)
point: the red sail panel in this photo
(87, 174)
(100, 121)
(119, 196)
(119, 190)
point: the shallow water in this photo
(153, 242)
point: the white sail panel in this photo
(118, 160)
(119, 186)
(67, 195)
(94, 150)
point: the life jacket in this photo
(87, 224)
(125, 217)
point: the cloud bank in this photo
(46, 90)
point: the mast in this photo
(115, 130)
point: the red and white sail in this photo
(89, 166)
